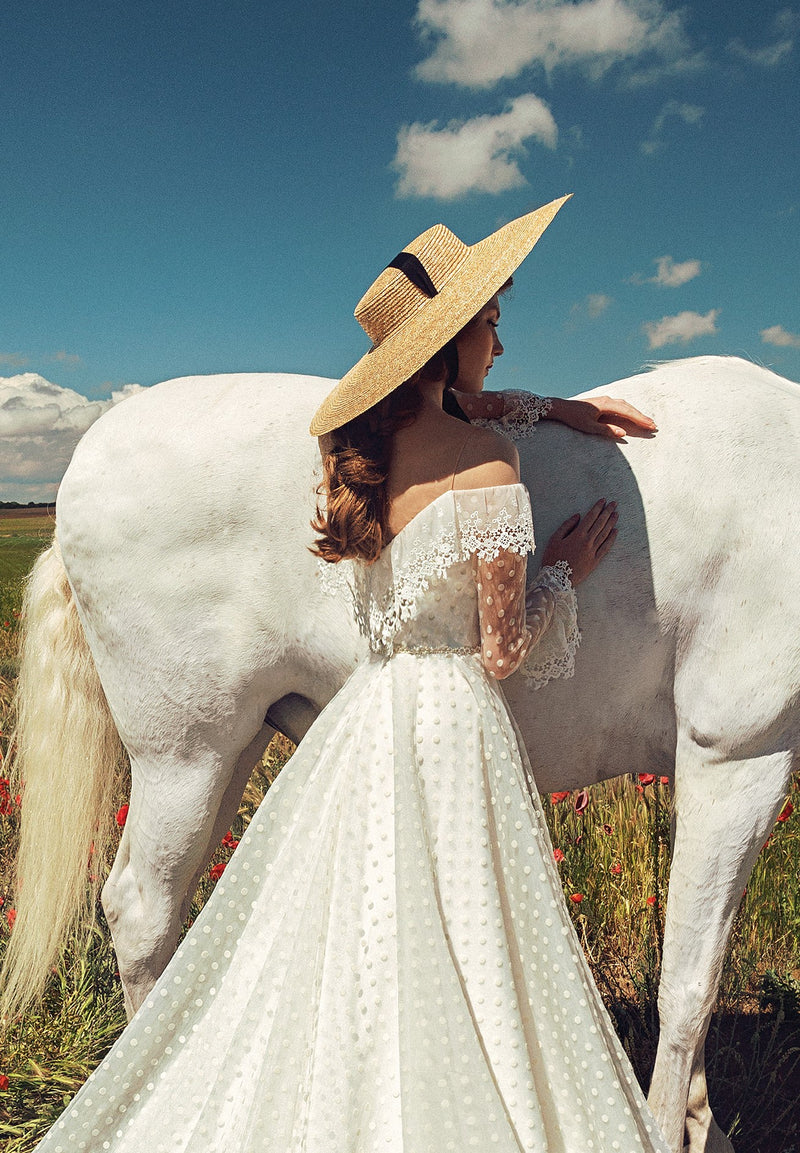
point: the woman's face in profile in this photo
(478, 344)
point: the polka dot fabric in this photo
(387, 964)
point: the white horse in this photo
(183, 524)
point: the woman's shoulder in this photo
(488, 460)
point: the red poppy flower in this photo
(558, 854)
(557, 798)
(4, 1082)
(664, 780)
(616, 868)
(216, 871)
(576, 898)
(786, 811)
(608, 830)
(646, 778)
(581, 803)
(11, 917)
(651, 901)
(122, 815)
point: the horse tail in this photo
(68, 764)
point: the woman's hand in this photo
(602, 416)
(583, 541)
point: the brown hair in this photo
(355, 465)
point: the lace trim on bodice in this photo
(506, 531)
(456, 526)
(379, 618)
(472, 534)
(475, 525)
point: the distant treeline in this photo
(30, 504)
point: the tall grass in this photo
(612, 843)
(21, 538)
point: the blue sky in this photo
(209, 187)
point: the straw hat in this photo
(420, 301)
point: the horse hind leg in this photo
(229, 806)
(723, 813)
(179, 811)
(292, 716)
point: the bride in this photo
(387, 963)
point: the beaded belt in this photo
(429, 650)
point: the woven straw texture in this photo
(407, 327)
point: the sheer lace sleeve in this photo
(552, 617)
(535, 629)
(517, 411)
(505, 637)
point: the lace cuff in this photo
(554, 655)
(521, 411)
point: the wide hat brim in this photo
(485, 268)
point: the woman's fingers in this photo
(603, 534)
(599, 523)
(596, 516)
(609, 431)
(608, 407)
(569, 524)
(589, 519)
(607, 543)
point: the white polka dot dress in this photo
(387, 964)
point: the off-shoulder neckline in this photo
(449, 492)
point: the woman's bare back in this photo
(438, 452)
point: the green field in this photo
(22, 535)
(614, 857)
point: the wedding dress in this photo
(387, 964)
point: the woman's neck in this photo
(431, 392)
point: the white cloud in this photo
(478, 155)
(680, 329)
(680, 65)
(672, 275)
(40, 424)
(477, 43)
(766, 57)
(784, 26)
(13, 359)
(597, 303)
(778, 335)
(672, 110)
(66, 359)
(21, 360)
(594, 305)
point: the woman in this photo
(387, 963)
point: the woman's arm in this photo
(514, 621)
(601, 416)
(516, 411)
